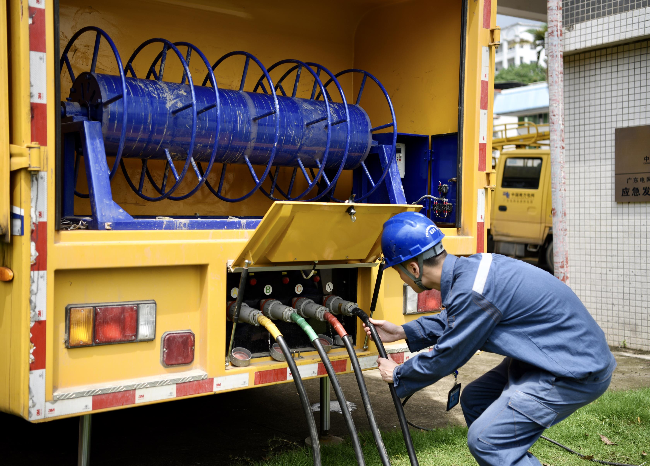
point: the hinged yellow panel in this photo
(294, 232)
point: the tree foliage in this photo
(539, 37)
(525, 73)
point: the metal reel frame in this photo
(201, 176)
(375, 184)
(276, 111)
(298, 67)
(65, 60)
(170, 163)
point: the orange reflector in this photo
(81, 326)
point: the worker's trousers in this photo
(509, 407)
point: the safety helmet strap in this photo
(434, 251)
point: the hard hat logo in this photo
(431, 230)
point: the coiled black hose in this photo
(381, 448)
(342, 402)
(398, 405)
(304, 400)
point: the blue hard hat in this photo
(407, 235)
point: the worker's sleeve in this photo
(470, 321)
(425, 331)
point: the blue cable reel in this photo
(152, 118)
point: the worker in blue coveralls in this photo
(556, 356)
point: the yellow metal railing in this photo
(523, 133)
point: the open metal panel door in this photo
(295, 233)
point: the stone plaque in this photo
(632, 164)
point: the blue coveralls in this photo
(557, 359)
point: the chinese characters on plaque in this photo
(632, 164)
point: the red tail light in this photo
(115, 324)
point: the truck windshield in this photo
(522, 173)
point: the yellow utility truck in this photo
(522, 223)
(167, 164)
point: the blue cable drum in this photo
(158, 119)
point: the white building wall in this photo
(521, 52)
(609, 248)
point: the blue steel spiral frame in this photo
(276, 111)
(198, 170)
(330, 184)
(299, 65)
(393, 124)
(123, 96)
(170, 163)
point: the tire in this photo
(548, 255)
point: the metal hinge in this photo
(495, 37)
(430, 154)
(31, 157)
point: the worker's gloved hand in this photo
(387, 331)
(386, 368)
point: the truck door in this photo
(4, 129)
(518, 199)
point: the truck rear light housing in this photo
(110, 323)
(177, 348)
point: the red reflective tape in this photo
(274, 375)
(39, 237)
(482, 154)
(484, 95)
(194, 388)
(111, 400)
(39, 123)
(487, 13)
(340, 365)
(397, 357)
(480, 237)
(37, 348)
(37, 29)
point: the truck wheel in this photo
(549, 257)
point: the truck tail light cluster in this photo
(105, 324)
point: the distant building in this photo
(526, 103)
(518, 104)
(518, 46)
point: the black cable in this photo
(342, 402)
(365, 397)
(398, 405)
(584, 457)
(304, 400)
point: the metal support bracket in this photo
(31, 156)
(105, 211)
(393, 181)
(495, 37)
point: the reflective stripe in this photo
(482, 273)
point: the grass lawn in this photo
(623, 417)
